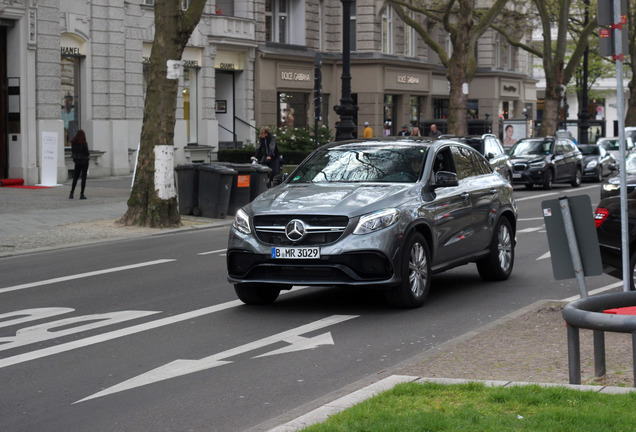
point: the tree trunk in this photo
(458, 101)
(153, 200)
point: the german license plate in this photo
(515, 175)
(296, 253)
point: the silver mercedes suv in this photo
(384, 213)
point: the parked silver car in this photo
(385, 213)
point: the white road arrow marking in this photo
(184, 367)
(299, 343)
(544, 256)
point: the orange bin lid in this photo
(631, 310)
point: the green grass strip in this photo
(475, 407)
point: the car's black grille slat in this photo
(320, 229)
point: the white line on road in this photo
(529, 219)
(596, 291)
(212, 252)
(555, 193)
(527, 230)
(83, 275)
(9, 361)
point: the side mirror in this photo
(490, 156)
(446, 179)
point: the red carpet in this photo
(11, 182)
(28, 187)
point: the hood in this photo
(590, 158)
(331, 198)
(616, 179)
(527, 159)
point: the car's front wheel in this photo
(576, 181)
(547, 179)
(256, 294)
(632, 273)
(498, 265)
(416, 274)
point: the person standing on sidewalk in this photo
(368, 132)
(81, 156)
(267, 153)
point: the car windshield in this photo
(531, 148)
(590, 150)
(610, 144)
(356, 163)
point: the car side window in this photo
(443, 161)
(464, 163)
(493, 146)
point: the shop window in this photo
(440, 108)
(416, 110)
(390, 108)
(189, 93)
(387, 30)
(293, 110)
(70, 97)
(473, 108)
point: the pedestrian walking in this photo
(81, 156)
(404, 131)
(434, 131)
(368, 132)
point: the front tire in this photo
(416, 274)
(498, 265)
(254, 294)
(576, 181)
(632, 273)
(547, 180)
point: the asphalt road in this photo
(147, 334)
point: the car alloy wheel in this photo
(498, 265)
(547, 180)
(416, 274)
(576, 181)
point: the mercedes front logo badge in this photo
(295, 230)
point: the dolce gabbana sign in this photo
(406, 80)
(295, 77)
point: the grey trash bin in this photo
(215, 187)
(260, 177)
(241, 186)
(188, 188)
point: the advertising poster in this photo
(48, 175)
(513, 131)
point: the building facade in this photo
(71, 64)
(68, 64)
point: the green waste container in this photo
(215, 187)
(260, 177)
(188, 188)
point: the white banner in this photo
(48, 175)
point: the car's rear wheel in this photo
(547, 179)
(256, 294)
(576, 181)
(498, 265)
(416, 274)
(599, 174)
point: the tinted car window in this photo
(464, 163)
(363, 164)
(591, 150)
(493, 146)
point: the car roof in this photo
(383, 141)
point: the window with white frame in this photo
(277, 21)
(352, 26)
(148, 2)
(409, 38)
(387, 30)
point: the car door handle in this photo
(493, 191)
(465, 196)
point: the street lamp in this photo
(346, 110)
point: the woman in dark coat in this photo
(81, 156)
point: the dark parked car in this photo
(597, 162)
(490, 146)
(612, 145)
(612, 185)
(383, 213)
(543, 161)
(608, 228)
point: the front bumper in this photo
(355, 260)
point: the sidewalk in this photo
(44, 218)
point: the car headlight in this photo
(377, 221)
(609, 187)
(537, 164)
(591, 164)
(242, 222)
